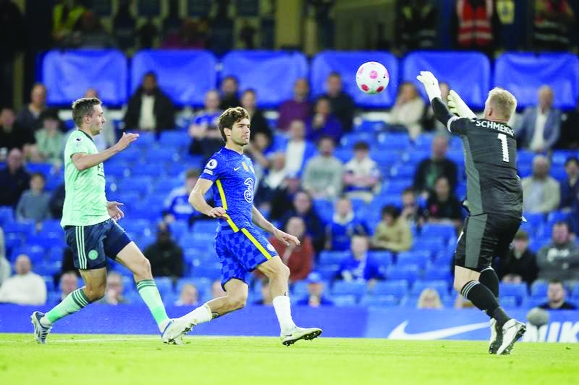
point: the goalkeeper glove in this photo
(430, 84)
(458, 107)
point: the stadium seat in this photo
(434, 245)
(49, 281)
(391, 141)
(344, 300)
(516, 290)
(392, 288)
(539, 289)
(260, 70)
(346, 64)
(531, 302)
(156, 167)
(6, 215)
(43, 168)
(413, 258)
(203, 285)
(300, 289)
(162, 155)
(357, 289)
(371, 300)
(165, 285)
(402, 171)
(441, 286)
(437, 273)
(509, 302)
(329, 272)
(384, 258)
(173, 139)
(331, 257)
(205, 227)
(36, 254)
(209, 271)
(20, 228)
(348, 140)
(438, 230)
(408, 273)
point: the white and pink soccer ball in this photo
(372, 77)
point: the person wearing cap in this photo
(165, 255)
(315, 296)
(520, 263)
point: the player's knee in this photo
(143, 269)
(237, 302)
(283, 272)
(459, 284)
(95, 293)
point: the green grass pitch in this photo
(121, 359)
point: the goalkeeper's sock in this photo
(281, 304)
(150, 295)
(73, 302)
(484, 299)
(489, 278)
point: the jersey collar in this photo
(87, 135)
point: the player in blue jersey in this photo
(240, 246)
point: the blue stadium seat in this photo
(515, 290)
(209, 271)
(559, 157)
(55, 254)
(344, 154)
(46, 268)
(437, 230)
(437, 273)
(384, 258)
(138, 226)
(185, 75)
(6, 215)
(392, 288)
(469, 73)
(424, 141)
(165, 285)
(414, 258)
(156, 167)
(524, 73)
(174, 139)
(45, 241)
(43, 168)
(539, 289)
(403, 171)
(68, 74)
(344, 300)
(393, 141)
(49, 281)
(36, 254)
(162, 155)
(22, 228)
(328, 272)
(433, 245)
(348, 140)
(141, 185)
(371, 300)
(205, 227)
(203, 285)
(260, 70)
(357, 289)
(370, 126)
(509, 302)
(441, 286)
(331, 257)
(531, 302)
(300, 289)
(346, 64)
(408, 273)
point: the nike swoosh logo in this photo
(235, 169)
(399, 332)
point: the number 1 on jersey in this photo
(505, 147)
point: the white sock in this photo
(45, 322)
(163, 325)
(281, 304)
(200, 315)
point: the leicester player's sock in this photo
(201, 315)
(484, 299)
(73, 302)
(150, 294)
(281, 304)
(489, 278)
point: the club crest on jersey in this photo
(245, 166)
(211, 164)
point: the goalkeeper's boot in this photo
(298, 333)
(512, 331)
(174, 331)
(40, 331)
(496, 337)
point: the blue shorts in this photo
(241, 252)
(91, 245)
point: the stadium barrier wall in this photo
(348, 322)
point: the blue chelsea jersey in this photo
(233, 180)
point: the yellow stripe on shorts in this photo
(256, 243)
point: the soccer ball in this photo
(372, 77)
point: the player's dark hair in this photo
(83, 107)
(229, 117)
(391, 210)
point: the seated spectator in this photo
(429, 299)
(56, 202)
(569, 137)
(266, 298)
(323, 122)
(273, 180)
(322, 177)
(412, 212)
(14, 179)
(282, 197)
(33, 204)
(303, 208)
(217, 290)
(177, 207)
(560, 258)
(108, 136)
(393, 232)
(299, 108)
(429, 170)
(165, 255)
(298, 150)
(49, 140)
(540, 126)
(315, 296)
(570, 193)
(520, 263)
(259, 124)
(187, 37)
(89, 34)
(12, 135)
(442, 206)
(430, 122)
(361, 174)
(206, 138)
(407, 113)
(341, 104)
(540, 190)
(552, 23)
(189, 296)
(114, 294)
(5, 268)
(25, 287)
(556, 297)
(229, 93)
(30, 117)
(344, 226)
(68, 284)
(150, 109)
(357, 266)
(258, 151)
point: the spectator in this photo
(68, 284)
(14, 179)
(56, 202)
(429, 170)
(416, 26)
(24, 288)
(407, 113)
(33, 204)
(298, 108)
(570, 193)
(322, 177)
(12, 135)
(569, 137)
(552, 22)
(30, 117)
(258, 150)
(65, 17)
(344, 226)
(429, 299)
(520, 263)
(298, 150)
(177, 205)
(206, 138)
(165, 255)
(540, 126)
(361, 174)
(187, 37)
(560, 258)
(189, 296)
(358, 266)
(272, 181)
(302, 207)
(266, 298)
(556, 297)
(115, 290)
(475, 25)
(259, 125)
(430, 122)
(315, 296)
(443, 206)
(323, 122)
(5, 268)
(49, 140)
(282, 197)
(412, 212)
(229, 93)
(150, 109)
(540, 190)
(90, 34)
(341, 104)
(393, 232)
(107, 137)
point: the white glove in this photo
(458, 107)
(430, 84)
